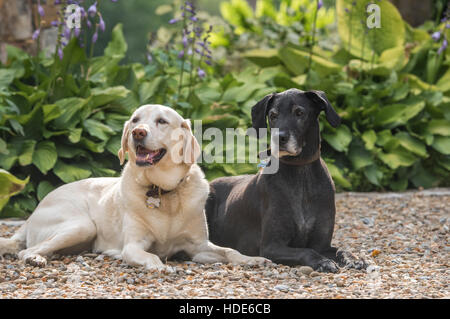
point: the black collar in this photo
(156, 191)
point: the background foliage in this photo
(61, 120)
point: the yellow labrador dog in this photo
(154, 210)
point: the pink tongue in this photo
(147, 157)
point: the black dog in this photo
(287, 217)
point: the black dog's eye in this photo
(299, 112)
(161, 121)
(135, 120)
(273, 116)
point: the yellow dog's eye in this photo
(135, 120)
(161, 121)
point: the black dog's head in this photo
(295, 114)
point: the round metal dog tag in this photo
(153, 202)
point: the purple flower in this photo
(89, 24)
(201, 73)
(57, 2)
(436, 36)
(95, 37)
(208, 62)
(36, 34)
(55, 23)
(443, 47)
(447, 26)
(77, 32)
(319, 4)
(347, 10)
(149, 58)
(185, 41)
(60, 53)
(82, 12)
(67, 33)
(41, 10)
(93, 9)
(180, 54)
(101, 24)
(172, 21)
(195, 19)
(113, 0)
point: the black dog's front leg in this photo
(345, 258)
(299, 256)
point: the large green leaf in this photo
(263, 58)
(98, 129)
(26, 155)
(104, 96)
(339, 138)
(70, 107)
(439, 127)
(442, 144)
(45, 156)
(412, 144)
(43, 189)
(373, 174)
(296, 61)
(69, 173)
(359, 156)
(117, 47)
(397, 114)
(337, 176)
(9, 186)
(397, 157)
(352, 28)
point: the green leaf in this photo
(43, 189)
(69, 173)
(45, 156)
(391, 34)
(163, 9)
(369, 137)
(296, 61)
(397, 157)
(339, 138)
(98, 129)
(26, 155)
(117, 47)
(439, 127)
(412, 144)
(104, 96)
(338, 178)
(263, 58)
(442, 144)
(359, 156)
(70, 107)
(373, 174)
(9, 186)
(397, 114)
(75, 135)
(3, 147)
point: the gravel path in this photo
(404, 236)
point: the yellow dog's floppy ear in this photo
(191, 148)
(124, 144)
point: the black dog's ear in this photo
(259, 113)
(320, 98)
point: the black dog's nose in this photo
(283, 137)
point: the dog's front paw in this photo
(35, 260)
(326, 265)
(348, 260)
(253, 261)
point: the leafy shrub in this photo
(61, 119)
